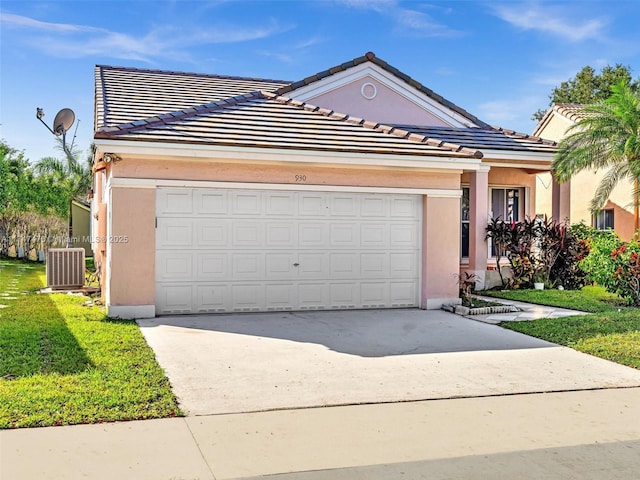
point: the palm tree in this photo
(71, 172)
(607, 137)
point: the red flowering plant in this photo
(626, 271)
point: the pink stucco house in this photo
(357, 187)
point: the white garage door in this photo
(263, 250)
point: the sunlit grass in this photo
(62, 362)
(611, 332)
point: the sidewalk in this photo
(572, 435)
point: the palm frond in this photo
(610, 180)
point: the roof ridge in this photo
(188, 74)
(371, 57)
(513, 133)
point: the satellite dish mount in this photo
(61, 124)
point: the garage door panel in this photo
(174, 233)
(404, 207)
(211, 233)
(374, 264)
(280, 204)
(262, 250)
(212, 266)
(174, 298)
(404, 235)
(247, 234)
(403, 294)
(171, 201)
(344, 265)
(281, 296)
(374, 294)
(403, 265)
(172, 265)
(247, 265)
(281, 235)
(248, 297)
(313, 296)
(211, 298)
(281, 265)
(210, 202)
(344, 205)
(313, 205)
(374, 235)
(312, 265)
(313, 235)
(344, 295)
(246, 203)
(374, 206)
(344, 235)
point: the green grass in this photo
(65, 363)
(611, 332)
(589, 299)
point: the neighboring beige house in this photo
(574, 197)
(357, 187)
(80, 226)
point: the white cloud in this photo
(419, 23)
(551, 20)
(76, 41)
(11, 20)
(406, 21)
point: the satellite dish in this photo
(63, 121)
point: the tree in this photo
(589, 87)
(607, 137)
(71, 172)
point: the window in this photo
(603, 220)
(505, 203)
(464, 219)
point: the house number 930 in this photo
(301, 178)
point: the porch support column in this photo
(561, 201)
(478, 219)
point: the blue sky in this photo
(498, 60)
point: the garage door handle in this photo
(296, 264)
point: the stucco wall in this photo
(284, 173)
(441, 250)
(132, 247)
(512, 177)
(349, 99)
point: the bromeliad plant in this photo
(539, 250)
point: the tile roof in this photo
(155, 105)
(371, 57)
(266, 120)
(128, 94)
(491, 138)
(571, 111)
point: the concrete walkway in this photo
(587, 435)
(527, 311)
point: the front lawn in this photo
(611, 332)
(65, 363)
(588, 299)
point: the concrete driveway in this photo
(253, 362)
